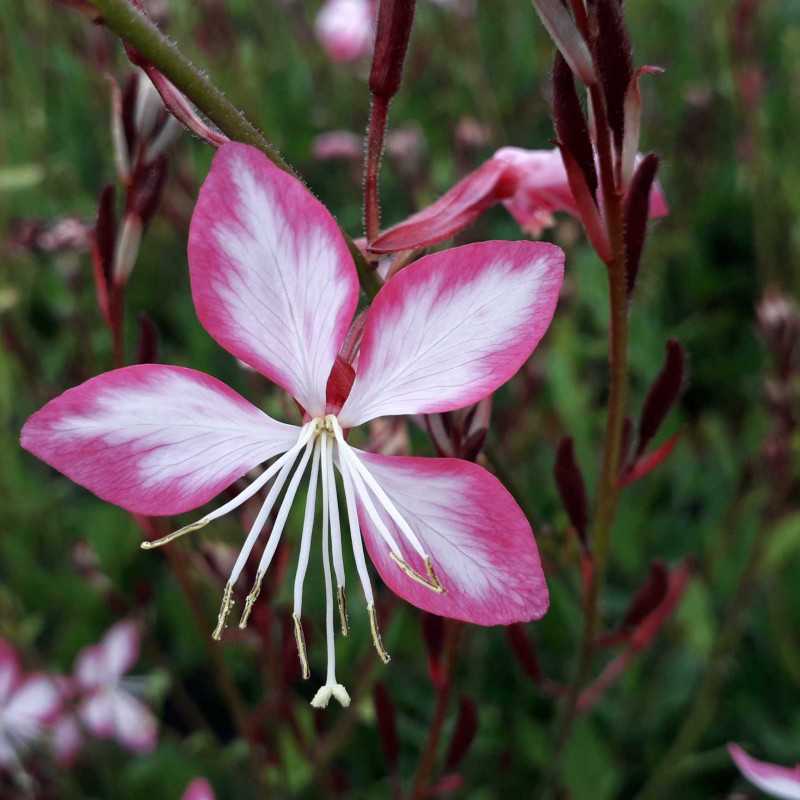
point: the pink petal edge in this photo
(481, 544)
(154, 439)
(774, 779)
(272, 279)
(453, 327)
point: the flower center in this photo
(320, 442)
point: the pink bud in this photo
(345, 29)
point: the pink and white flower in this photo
(345, 28)
(772, 779)
(531, 184)
(274, 283)
(27, 705)
(108, 710)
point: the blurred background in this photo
(719, 274)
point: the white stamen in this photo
(331, 687)
(355, 529)
(261, 518)
(352, 458)
(336, 531)
(275, 533)
(243, 496)
(305, 538)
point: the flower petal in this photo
(10, 670)
(135, 727)
(481, 545)
(97, 714)
(453, 327)
(775, 780)
(272, 278)
(198, 789)
(457, 208)
(35, 702)
(154, 439)
(120, 648)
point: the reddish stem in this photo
(378, 114)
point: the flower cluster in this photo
(62, 711)
(274, 283)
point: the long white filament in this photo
(243, 496)
(346, 453)
(308, 527)
(275, 534)
(331, 687)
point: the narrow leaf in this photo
(662, 395)
(571, 487)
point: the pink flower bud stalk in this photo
(569, 40)
(395, 18)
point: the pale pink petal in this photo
(135, 727)
(453, 327)
(272, 278)
(96, 713)
(775, 780)
(36, 702)
(198, 789)
(91, 669)
(457, 208)
(10, 670)
(480, 542)
(120, 647)
(542, 188)
(154, 439)
(67, 739)
(345, 28)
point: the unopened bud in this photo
(127, 249)
(395, 18)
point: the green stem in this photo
(607, 496)
(707, 696)
(136, 29)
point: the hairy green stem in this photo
(137, 30)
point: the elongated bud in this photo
(524, 651)
(433, 635)
(571, 487)
(182, 109)
(637, 211)
(568, 39)
(103, 245)
(148, 341)
(570, 123)
(645, 464)
(146, 189)
(387, 724)
(127, 250)
(463, 734)
(587, 208)
(649, 596)
(632, 123)
(395, 18)
(612, 50)
(662, 395)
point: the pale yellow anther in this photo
(431, 582)
(224, 609)
(376, 635)
(300, 641)
(343, 618)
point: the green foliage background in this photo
(733, 230)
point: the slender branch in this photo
(427, 761)
(378, 113)
(137, 30)
(707, 696)
(607, 495)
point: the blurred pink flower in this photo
(27, 705)
(773, 779)
(199, 789)
(274, 282)
(531, 184)
(106, 708)
(345, 28)
(343, 145)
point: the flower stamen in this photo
(224, 609)
(300, 641)
(376, 635)
(343, 617)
